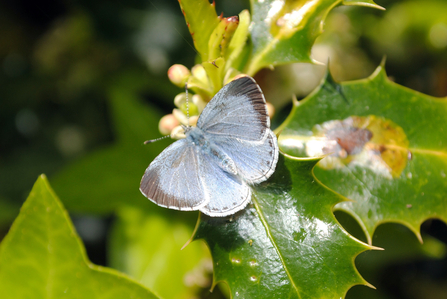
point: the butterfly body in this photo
(211, 170)
(207, 147)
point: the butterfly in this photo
(213, 168)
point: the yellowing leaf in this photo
(401, 176)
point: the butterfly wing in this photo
(255, 161)
(173, 180)
(237, 110)
(228, 193)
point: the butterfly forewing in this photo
(237, 110)
(174, 178)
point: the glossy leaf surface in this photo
(386, 147)
(288, 243)
(284, 31)
(42, 257)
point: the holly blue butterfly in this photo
(213, 168)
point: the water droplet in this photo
(409, 175)
(253, 278)
(236, 261)
(237, 293)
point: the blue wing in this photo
(237, 110)
(228, 193)
(255, 161)
(173, 180)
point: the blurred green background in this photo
(61, 60)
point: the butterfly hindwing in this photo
(174, 178)
(229, 193)
(255, 161)
(237, 110)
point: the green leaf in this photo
(201, 18)
(148, 248)
(369, 3)
(109, 177)
(284, 31)
(221, 37)
(387, 147)
(42, 257)
(238, 41)
(288, 244)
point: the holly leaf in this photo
(284, 31)
(43, 250)
(386, 147)
(288, 244)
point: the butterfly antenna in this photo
(187, 102)
(157, 139)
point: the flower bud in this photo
(180, 116)
(180, 99)
(199, 72)
(167, 124)
(178, 133)
(199, 102)
(179, 75)
(180, 102)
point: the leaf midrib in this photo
(272, 240)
